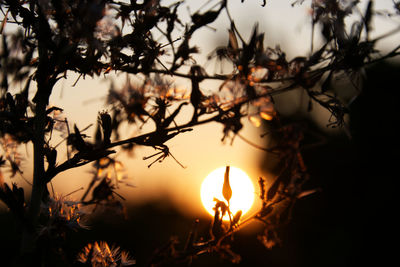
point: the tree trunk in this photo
(45, 83)
(38, 185)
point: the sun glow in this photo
(242, 190)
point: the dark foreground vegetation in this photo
(331, 201)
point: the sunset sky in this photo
(200, 150)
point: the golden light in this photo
(242, 190)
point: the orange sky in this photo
(200, 150)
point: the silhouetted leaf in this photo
(327, 83)
(200, 20)
(77, 141)
(233, 43)
(273, 189)
(106, 125)
(4, 22)
(261, 184)
(226, 188)
(368, 16)
(308, 192)
(51, 156)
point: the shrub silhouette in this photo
(49, 39)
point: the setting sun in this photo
(242, 190)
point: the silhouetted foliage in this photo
(45, 40)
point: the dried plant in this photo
(99, 254)
(44, 40)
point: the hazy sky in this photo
(200, 150)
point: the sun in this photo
(241, 185)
